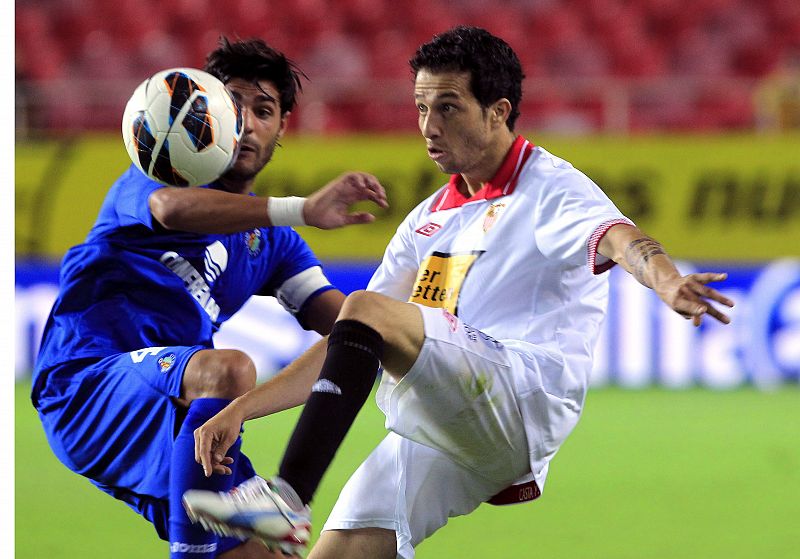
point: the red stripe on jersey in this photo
(503, 183)
(594, 241)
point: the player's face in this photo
(456, 128)
(262, 124)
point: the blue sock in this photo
(187, 540)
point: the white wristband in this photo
(286, 211)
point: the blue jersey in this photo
(133, 284)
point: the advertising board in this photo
(643, 342)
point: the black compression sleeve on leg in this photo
(345, 382)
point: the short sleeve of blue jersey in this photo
(127, 202)
(293, 256)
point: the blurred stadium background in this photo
(686, 113)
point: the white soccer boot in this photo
(257, 508)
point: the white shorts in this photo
(457, 437)
(410, 489)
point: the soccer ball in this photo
(182, 127)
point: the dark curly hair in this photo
(255, 60)
(495, 71)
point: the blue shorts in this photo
(115, 420)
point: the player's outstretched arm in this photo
(290, 388)
(645, 259)
(209, 211)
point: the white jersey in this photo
(519, 262)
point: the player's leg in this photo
(211, 379)
(400, 495)
(375, 543)
(371, 329)
(217, 373)
(114, 421)
(157, 512)
(355, 352)
(468, 406)
(365, 519)
(399, 324)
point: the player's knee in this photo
(235, 374)
(224, 373)
(366, 307)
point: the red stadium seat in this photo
(620, 42)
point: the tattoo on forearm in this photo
(637, 254)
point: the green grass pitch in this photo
(647, 474)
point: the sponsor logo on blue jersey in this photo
(180, 547)
(215, 261)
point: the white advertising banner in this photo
(643, 342)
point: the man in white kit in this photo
(484, 314)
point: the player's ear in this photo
(499, 112)
(284, 124)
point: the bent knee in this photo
(219, 373)
(399, 324)
(367, 307)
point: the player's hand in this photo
(329, 207)
(213, 439)
(690, 297)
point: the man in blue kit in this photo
(127, 369)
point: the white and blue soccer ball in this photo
(182, 127)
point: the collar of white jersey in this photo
(503, 183)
